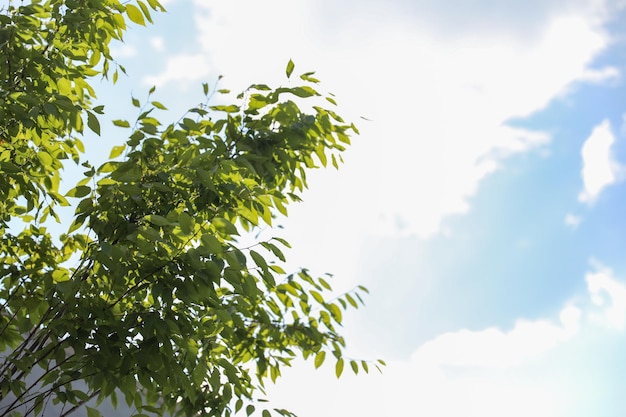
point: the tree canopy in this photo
(148, 298)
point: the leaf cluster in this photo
(149, 296)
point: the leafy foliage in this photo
(162, 305)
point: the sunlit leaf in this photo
(135, 15)
(121, 123)
(290, 67)
(117, 151)
(158, 105)
(319, 358)
(339, 367)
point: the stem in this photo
(46, 393)
(80, 404)
(15, 404)
(44, 337)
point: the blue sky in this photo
(482, 204)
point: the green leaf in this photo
(258, 260)
(135, 15)
(226, 108)
(135, 102)
(304, 92)
(186, 223)
(107, 181)
(127, 172)
(45, 158)
(9, 167)
(335, 312)
(76, 224)
(277, 269)
(211, 243)
(79, 145)
(121, 123)
(274, 249)
(224, 226)
(325, 284)
(145, 10)
(79, 191)
(339, 367)
(308, 77)
(319, 358)
(58, 198)
(158, 105)
(93, 123)
(157, 220)
(283, 241)
(156, 5)
(352, 301)
(317, 296)
(92, 412)
(290, 67)
(354, 366)
(116, 151)
(64, 86)
(60, 275)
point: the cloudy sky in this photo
(482, 205)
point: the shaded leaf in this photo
(93, 123)
(79, 191)
(224, 226)
(92, 412)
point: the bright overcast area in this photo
(482, 204)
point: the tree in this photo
(148, 295)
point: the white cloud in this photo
(609, 294)
(603, 75)
(122, 50)
(181, 68)
(539, 367)
(158, 43)
(572, 221)
(599, 169)
(439, 106)
(494, 348)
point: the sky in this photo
(482, 204)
